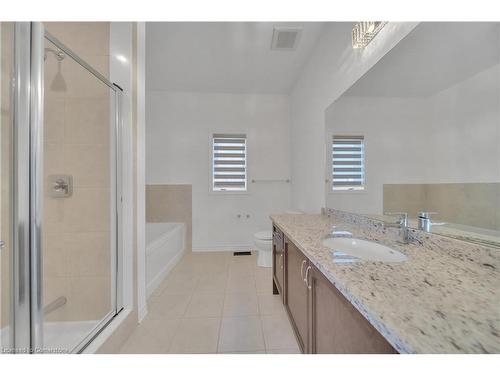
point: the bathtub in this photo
(165, 245)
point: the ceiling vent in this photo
(285, 38)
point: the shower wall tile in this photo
(55, 256)
(90, 298)
(53, 120)
(89, 164)
(84, 122)
(53, 159)
(88, 254)
(88, 210)
(480, 202)
(84, 38)
(83, 84)
(171, 203)
(53, 288)
(78, 124)
(80, 83)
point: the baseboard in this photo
(229, 248)
(150, 288)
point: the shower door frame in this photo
(27, 264)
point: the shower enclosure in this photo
(60, 196)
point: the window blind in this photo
(229, 162)
(348, 162)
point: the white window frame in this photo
(348, 190)
(211, 187)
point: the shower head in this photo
(58, 83)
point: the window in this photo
(229, 162)
(348, 163)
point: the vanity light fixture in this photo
(364, 32)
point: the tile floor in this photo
(214, 303)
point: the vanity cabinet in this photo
(323, 320)
(296, 292)
(335, 326)
(278, 263)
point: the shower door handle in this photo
(2, 244)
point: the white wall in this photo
(178, 131)
(449, 137)
(333, 67)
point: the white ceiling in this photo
(233, 57)
(433, 57)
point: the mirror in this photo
(420, 133)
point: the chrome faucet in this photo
(424, 221)
(401, 223)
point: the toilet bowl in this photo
(264, 243)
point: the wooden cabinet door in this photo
(335, 325)
(278, 263)
(296, 292)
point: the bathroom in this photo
(273, 187)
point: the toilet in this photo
(264, 243)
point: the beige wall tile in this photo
(87, 211)
(53, 160)
(88, 254)
(55, 256)
(53, 125)
(80, 83)
(474, 204)
(89, 164)
(84, 38)
(87, 120)
(170, 203)
(77, 129)
(90, 297)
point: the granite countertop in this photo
(444, 299)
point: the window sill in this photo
(228, 193)
(354, 192)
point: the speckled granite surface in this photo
(444, 299)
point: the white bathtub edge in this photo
(153, 284)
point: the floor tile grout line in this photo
(222, 317)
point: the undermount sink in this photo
(346, 248)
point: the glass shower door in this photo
(79, 228)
